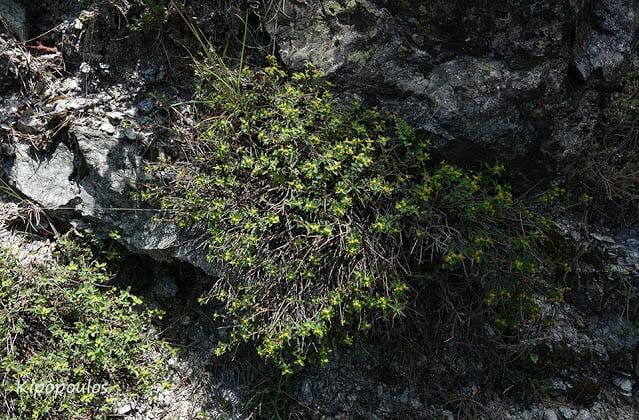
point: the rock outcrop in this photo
(14, 15)
(522, 80)
(517, 79)
(96, 182)
(78, 154)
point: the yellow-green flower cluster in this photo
(319, 212)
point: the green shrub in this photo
(60, 325)
(319, 213)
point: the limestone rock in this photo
(605, 37)
(97, 182)
(44, 179)
(494, 78)
(14, 14)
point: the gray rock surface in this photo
(605, 35)
(97, 182)
(14, 14)
(516, 78)
(44, 179)
(550, 415)
(110, 168)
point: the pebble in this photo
(307, 391)
(624, 384)
(124, 409)
(66, 105)
(558, 386)
(115, 115)
(107, 128)
(566, 413)
(85, 68)
(69, 85)
(603, 238)
(130, 133)
(550, 414)
(165, 397)
(584, 415)
(447, 414)
(146, 106)
(404, 397)
(576, 236)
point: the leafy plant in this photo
(320, 213)
(62, 327)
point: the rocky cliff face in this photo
(519, 79)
